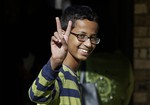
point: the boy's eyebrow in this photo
(86, 33)
(82, 32)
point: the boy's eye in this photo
(92, 38)
(81, 36)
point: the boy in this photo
(72, 43)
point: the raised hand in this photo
(59, 45)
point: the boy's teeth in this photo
(84, 50)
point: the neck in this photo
(71, 62)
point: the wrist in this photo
(55, 63)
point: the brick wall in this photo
(141, 95)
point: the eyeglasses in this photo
(83, 37)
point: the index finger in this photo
(58, 25)
(68, 28)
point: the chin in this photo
(83, 58)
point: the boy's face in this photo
(80, 50)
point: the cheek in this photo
(72, 41)
(73, 44)
(93, 47)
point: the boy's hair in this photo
(76, 12)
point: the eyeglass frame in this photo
(97, 40)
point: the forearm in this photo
(42, 89)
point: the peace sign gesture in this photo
(59, 45)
